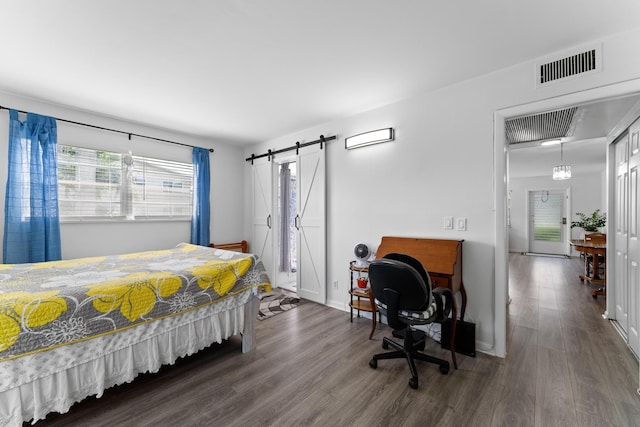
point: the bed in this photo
(71, 329)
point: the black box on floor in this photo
(465, 337)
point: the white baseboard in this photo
(339, 305)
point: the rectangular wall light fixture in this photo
(369, 138)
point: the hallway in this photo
(569, 355)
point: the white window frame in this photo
(173, 191)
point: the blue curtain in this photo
(201, 185)
(31, 222)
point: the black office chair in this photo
(402, 291)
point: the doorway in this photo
(287, 256)
(303, 260)
(501, 182)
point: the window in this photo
(94, 184)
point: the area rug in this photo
(278, 302)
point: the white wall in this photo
(441, 164)
(89, 239)
(586, 196)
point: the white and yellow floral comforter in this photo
(50, 304)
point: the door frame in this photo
(501, 185)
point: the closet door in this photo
(263, 220)
(311, 225)
(621, 232)
(627, 240)
(633, 297)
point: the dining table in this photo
(598, 252)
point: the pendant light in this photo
(562, 171)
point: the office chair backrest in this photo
(399, 286)
(407, 259)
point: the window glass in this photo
(94, 184)
(548, 216)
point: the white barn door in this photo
(311, 225)
(262, 186)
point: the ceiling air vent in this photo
(540, 127)
(568, 66)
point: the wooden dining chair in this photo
(595, 238)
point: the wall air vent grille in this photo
(580, 63)
(540, 127)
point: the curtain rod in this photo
(111, 130)
(296, 147)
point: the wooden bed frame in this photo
(242, 246)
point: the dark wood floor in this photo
(566, 366)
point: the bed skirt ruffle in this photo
(58, 391)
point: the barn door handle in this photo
(269, 221)
(297, 222)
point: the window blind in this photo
(95, 184)
(548, 216)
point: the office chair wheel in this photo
(385, 346)
(444, 369)
(373, 364)
(413, 382)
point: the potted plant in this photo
(590, 222)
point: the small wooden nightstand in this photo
(361, 299)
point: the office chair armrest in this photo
(442, 313)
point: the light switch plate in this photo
(448, 223)
(461, 224)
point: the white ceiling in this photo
(245, 71)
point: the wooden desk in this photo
(443, 261)
(441, 258)
(597, 249)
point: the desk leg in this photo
(463, 293)
(452, 335)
